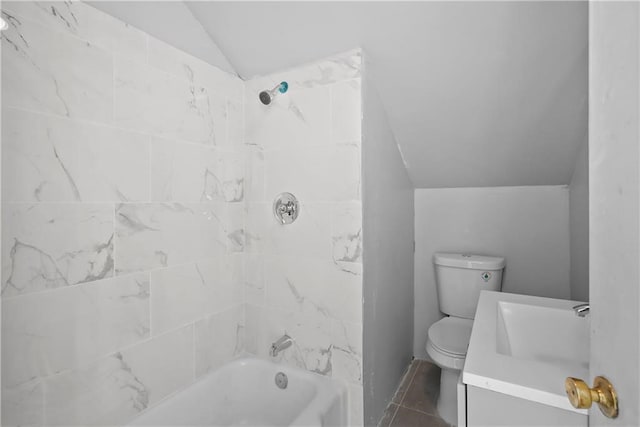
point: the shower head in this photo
(266, 96)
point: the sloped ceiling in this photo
(477, 93)
(171, 22)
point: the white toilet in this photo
(459, 280)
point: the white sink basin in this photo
(526, 346)
(543, 334)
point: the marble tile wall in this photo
(123, 166)
(305, 279)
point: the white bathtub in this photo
(243, 393)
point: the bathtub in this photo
(244, 393)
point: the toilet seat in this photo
(448, 340)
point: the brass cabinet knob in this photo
(603, 393)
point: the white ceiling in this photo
(477, 93)
(170, 21)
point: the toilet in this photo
(459, 280)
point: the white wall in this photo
(121, 198)
(529, 226)
(388, 258)
(579, 226)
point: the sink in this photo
(543, 334)
(525, 347)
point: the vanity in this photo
(521, 350)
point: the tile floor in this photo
(414, 403)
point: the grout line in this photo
(193, 352)
(416, 361)
(151, 304)
(124, 129)
(394, 416)
(399, 405)
(420, 412)
(114, 211)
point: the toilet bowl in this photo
(459, 280)
(447, 344)
(448, 341)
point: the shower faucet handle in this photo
(286, 208)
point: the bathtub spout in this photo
(283, 343)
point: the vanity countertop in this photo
(525, 346)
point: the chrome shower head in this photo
(266, 96)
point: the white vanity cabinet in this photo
(521, 350)
(490, 408)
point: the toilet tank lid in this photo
(475, 262)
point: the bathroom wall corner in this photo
(388, 226)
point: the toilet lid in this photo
(451, 335)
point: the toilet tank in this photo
(461, 277)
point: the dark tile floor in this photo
(414, 403)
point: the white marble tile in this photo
(51, 245)
(85, 22)
(184, 66)
(23, 404)
(177, 296)
(181, 171)
(337, 68)
(231, 180)
(255, 175)
(308, 236)
(302, 116)
(47, 158)
(356, 405)
(219, 338)
(53, 72)
(254, 291)
(297, 119)
(311, 333)
(312, 339)
(346, 112)
(235, 123)
(106, 393)
(49, 332)
(164, 364)
(257, 217)
(228, 291)
(233, 227)
(155, 235)
(346, 232)
(186, 293)
(152, 101)
(307, 284)
(195, 173)
(254, 330)
(114, 389)
(329, 173)
(346, 339)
